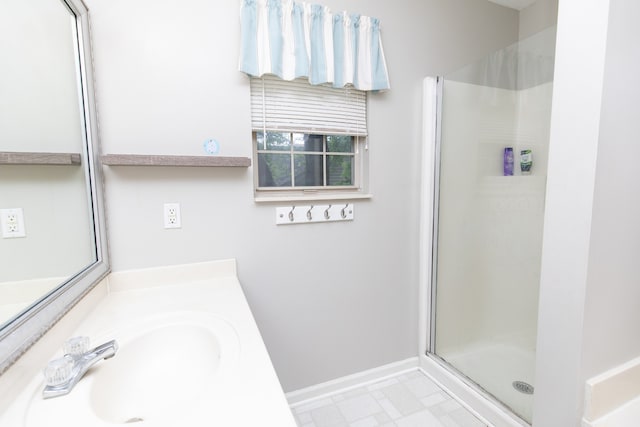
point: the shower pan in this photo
(482, 227)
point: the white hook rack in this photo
(296, 214)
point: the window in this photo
(315, 145)
(305, 160)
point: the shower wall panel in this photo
(490, 226)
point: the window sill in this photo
(312, 197)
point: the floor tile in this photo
(446, 421)
(390, 409)
(359, 407)
(410, 399)
(402, 399)
(304, 417)
(377, 394)
(419, 419)
(328, 416)
(450, 405)
(434, 399)
(383, 418)
(415, 374)
(365, 422)
(438, 411)
(421, 386)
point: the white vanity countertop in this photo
(251, 394)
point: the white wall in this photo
(330, 299)
(573, 152)
(612, 306)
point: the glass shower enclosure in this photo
(488, 222)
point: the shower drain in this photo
(523, 387)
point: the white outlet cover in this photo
(172, 215)
(12, 223)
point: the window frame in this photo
(296, 107)
(326, 192)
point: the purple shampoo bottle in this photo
(508, 161)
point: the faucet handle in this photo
(58, 371)
(76, 346)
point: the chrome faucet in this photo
(64, 373)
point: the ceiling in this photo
(514, 4)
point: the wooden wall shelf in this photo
(35, 158)
(162, 160)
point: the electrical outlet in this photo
(172, 215)
(12, 222)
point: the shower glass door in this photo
(489, 226)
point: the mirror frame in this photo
(30, 325)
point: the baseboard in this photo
(300, 397)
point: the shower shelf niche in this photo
(172, 160)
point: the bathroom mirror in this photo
(52, 234)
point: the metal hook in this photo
(326, 213)
(309, 213)
(291, 214)
(343, 214)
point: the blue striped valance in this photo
(293, 39)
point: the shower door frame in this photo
(472, 395)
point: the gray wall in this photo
(329, 299)
(540, 15)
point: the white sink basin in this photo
(166, 366)
(190, 354)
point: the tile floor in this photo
(406, 400)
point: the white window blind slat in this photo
(297, 106)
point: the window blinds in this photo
(296, 106)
